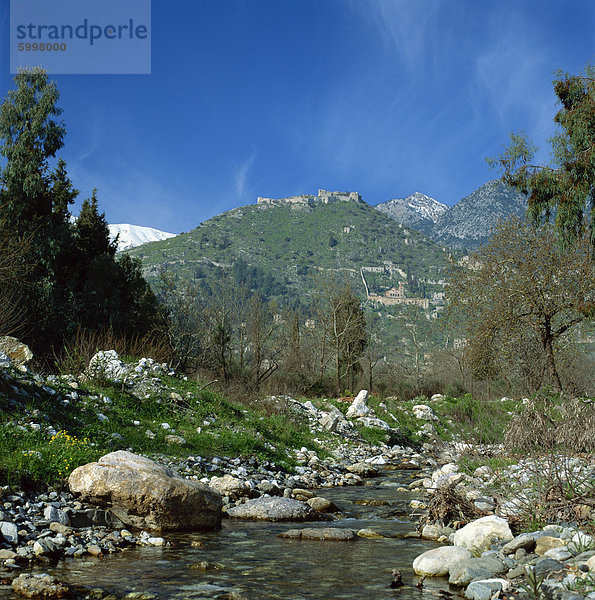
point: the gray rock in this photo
(485, 589)
(332, 534)
(146, 495)
(5, 362)
(44, 546)
(94, 517)
(9, 532)
(273, 509)
(55, 515)
(526, 541)
(547, 567)
(561, 554)
(465, 571)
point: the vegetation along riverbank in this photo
(474, 465)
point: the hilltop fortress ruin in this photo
(324, 197)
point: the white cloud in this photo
(512, 79)
(242, 172)
(404, 26)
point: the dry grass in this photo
(548, 424)
(84, 344)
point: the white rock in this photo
(424, 412)
(107, 364)
(310, 407)
(358, 407)
(156, 541)
(437, 562)
(5, 362)
(484, 472)
(478, 535)
(374, 422)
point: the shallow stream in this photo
(249, 561)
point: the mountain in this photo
(135, 235)
(470, 222)
(417, 211)
(293, 244)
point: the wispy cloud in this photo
(241, 178)
(512, 78)
(404, 26)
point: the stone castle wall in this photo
(323, 197)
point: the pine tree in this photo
(31, 136)
(567, 186)
(71, 277)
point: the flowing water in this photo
(251, 561)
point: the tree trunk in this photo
(547, 340)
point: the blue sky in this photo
(275, 98)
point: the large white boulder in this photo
(480, 534)
(437, 562)
(146, 495)
(358, 407)
(107, 364)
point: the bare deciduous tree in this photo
(523, 292)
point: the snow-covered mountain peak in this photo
(136, 235)
(424, 205)
(417, 210)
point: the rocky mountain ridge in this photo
(417, 210)
(465, 225)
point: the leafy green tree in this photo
(567, 185)
(31, 136)
(344, 323)
(33, 200)
(520, 293)
(72, 277)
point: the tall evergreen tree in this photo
(73, 276)
(31, 136)
(567, 186)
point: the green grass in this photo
(30, 457)
(210, 424)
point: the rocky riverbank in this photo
(483, 558)
(44, 526)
